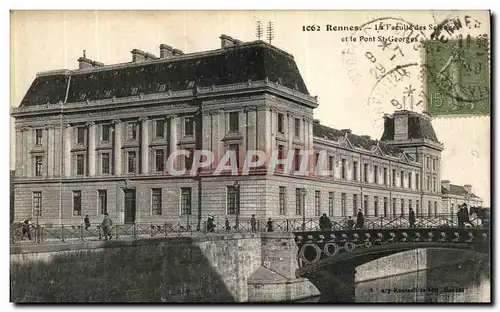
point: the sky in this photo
(341, 73)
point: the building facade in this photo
(98, 139)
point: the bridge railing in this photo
(94, 232)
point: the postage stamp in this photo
(458, 76)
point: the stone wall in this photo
(213, 268)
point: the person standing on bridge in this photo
(411, 218)
(269, 225)
(87, 222)
(360, 220)
(253, 224)
(210, 223)
(350, 223)
(324, 223)
(106, 226)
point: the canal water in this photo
(461, 282)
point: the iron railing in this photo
(140, 230)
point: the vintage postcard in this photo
(250, 156)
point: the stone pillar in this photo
(144, 145)
(252, 128)
(49, 131)
(223, 127)
(91, 138)
(19, 152)
(269, 131)
(174, 139)
(214, 144)
(117, 147)
(68, 136)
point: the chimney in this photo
(468, 188)
(446, 184)
(346, 131)
(150, 56)
(97, 64)
(84, 62)
(165, 51)
(176, 52)
(400, 125)
(138, 55)
(316, 121)
(228, 41)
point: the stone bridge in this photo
(329, 259)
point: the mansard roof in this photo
(457, 190)
(419, 127)
(237, 64)
(359, 141)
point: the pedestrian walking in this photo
(210, 223)
(350, 223)
(227, 225)
(269, 225)
(253, 224)
(324, 223)
(87, 222)
(360, 220)
(411, 218)
(106, 226)
(27, 225)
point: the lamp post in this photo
(237, 188)
(304, 192)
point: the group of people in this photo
(325, 224)
(211, 226)
(463, 216)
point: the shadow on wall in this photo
(149, 273)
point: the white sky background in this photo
(42, 41)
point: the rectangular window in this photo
(232, 200)
(428, 183)
(409, 204)
(434, 164)
(188, 159)
(281, 123)
(298, 201)
(188, 126)
(77, 203)
(417, 208)
(385, 176)
(331, 160)
(105, 163)
(296, 159)
(394, 207)
(375, 173)
(354, 204)
(343, 205)
(37, 203)
(402, 207)
(435, 208)
(38, 136)
(429, 209)
(375, 206)
(80, 164)
(185, 201)
(156, 201)
(281, 154)
(427, 161)
(38, 166)
(105, 133)
(330, 203)
(234, 122)
(132, 130)
(409, 180)
(402, 179)
(355, 170)
(80, 135)
(297, 128)
(132, 162)
(160, 128)
(365, 205)
(282, 200)
(102, 201)
(434, 184)
(317, 203)
(417, 181)
(386, 207)
(365, 173)
(159, 160)
(343, 171)
(393, 177)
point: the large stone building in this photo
(97, 139)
